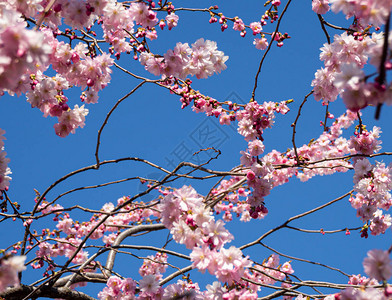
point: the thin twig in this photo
(382, 71)
(268, 49)
(294, 125)
(107, 118)
(292, 219)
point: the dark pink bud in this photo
(151, 15)
(250, 175)
(56, 111)
(264, 209)
(57, 8)
(90, 82)
(65, 107)
(75, 57)
(388, 291)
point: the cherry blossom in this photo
(9, 269)
(378, 265)
(172, 20)
(320, 6)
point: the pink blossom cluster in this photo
(329, 145)
(358, 90)
(10, 266)
(358, 294)
(29, 8)
(74, 68)
(115, 24)
(5, 171)
(269, 272)
(256, 27)
(117, 288)
(378, 266)
(22, 51)
(255, 118)
(345, 49)
(63, 247)
(118, 23)
(343, 74)
(232, 203)
(368, 12)
(70, 120)
(79, 66)
(183, 289)
(372, 186)
(154, 265)
(317, 157)
(143, 15)
(149, 288)
(228, 265)
(191, 223)
(366, 142)
(80, 14)
(265, 172)
(362, 280)
(74, 231)
(369, 293)
(202, 60)
(47, 95)
(26, 54)
(75, 13)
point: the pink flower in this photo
(114, 283)
(320, 6)
(9, 269)
(256, 27)
(286, 267)
(217, 233)
(128, 286)
(142, 15)
(378, 265)
(238, 25)
(256, 147)
(261, 43)
(201, 258)
(172, 20)
(149, 284)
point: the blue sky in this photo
(151, 124)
